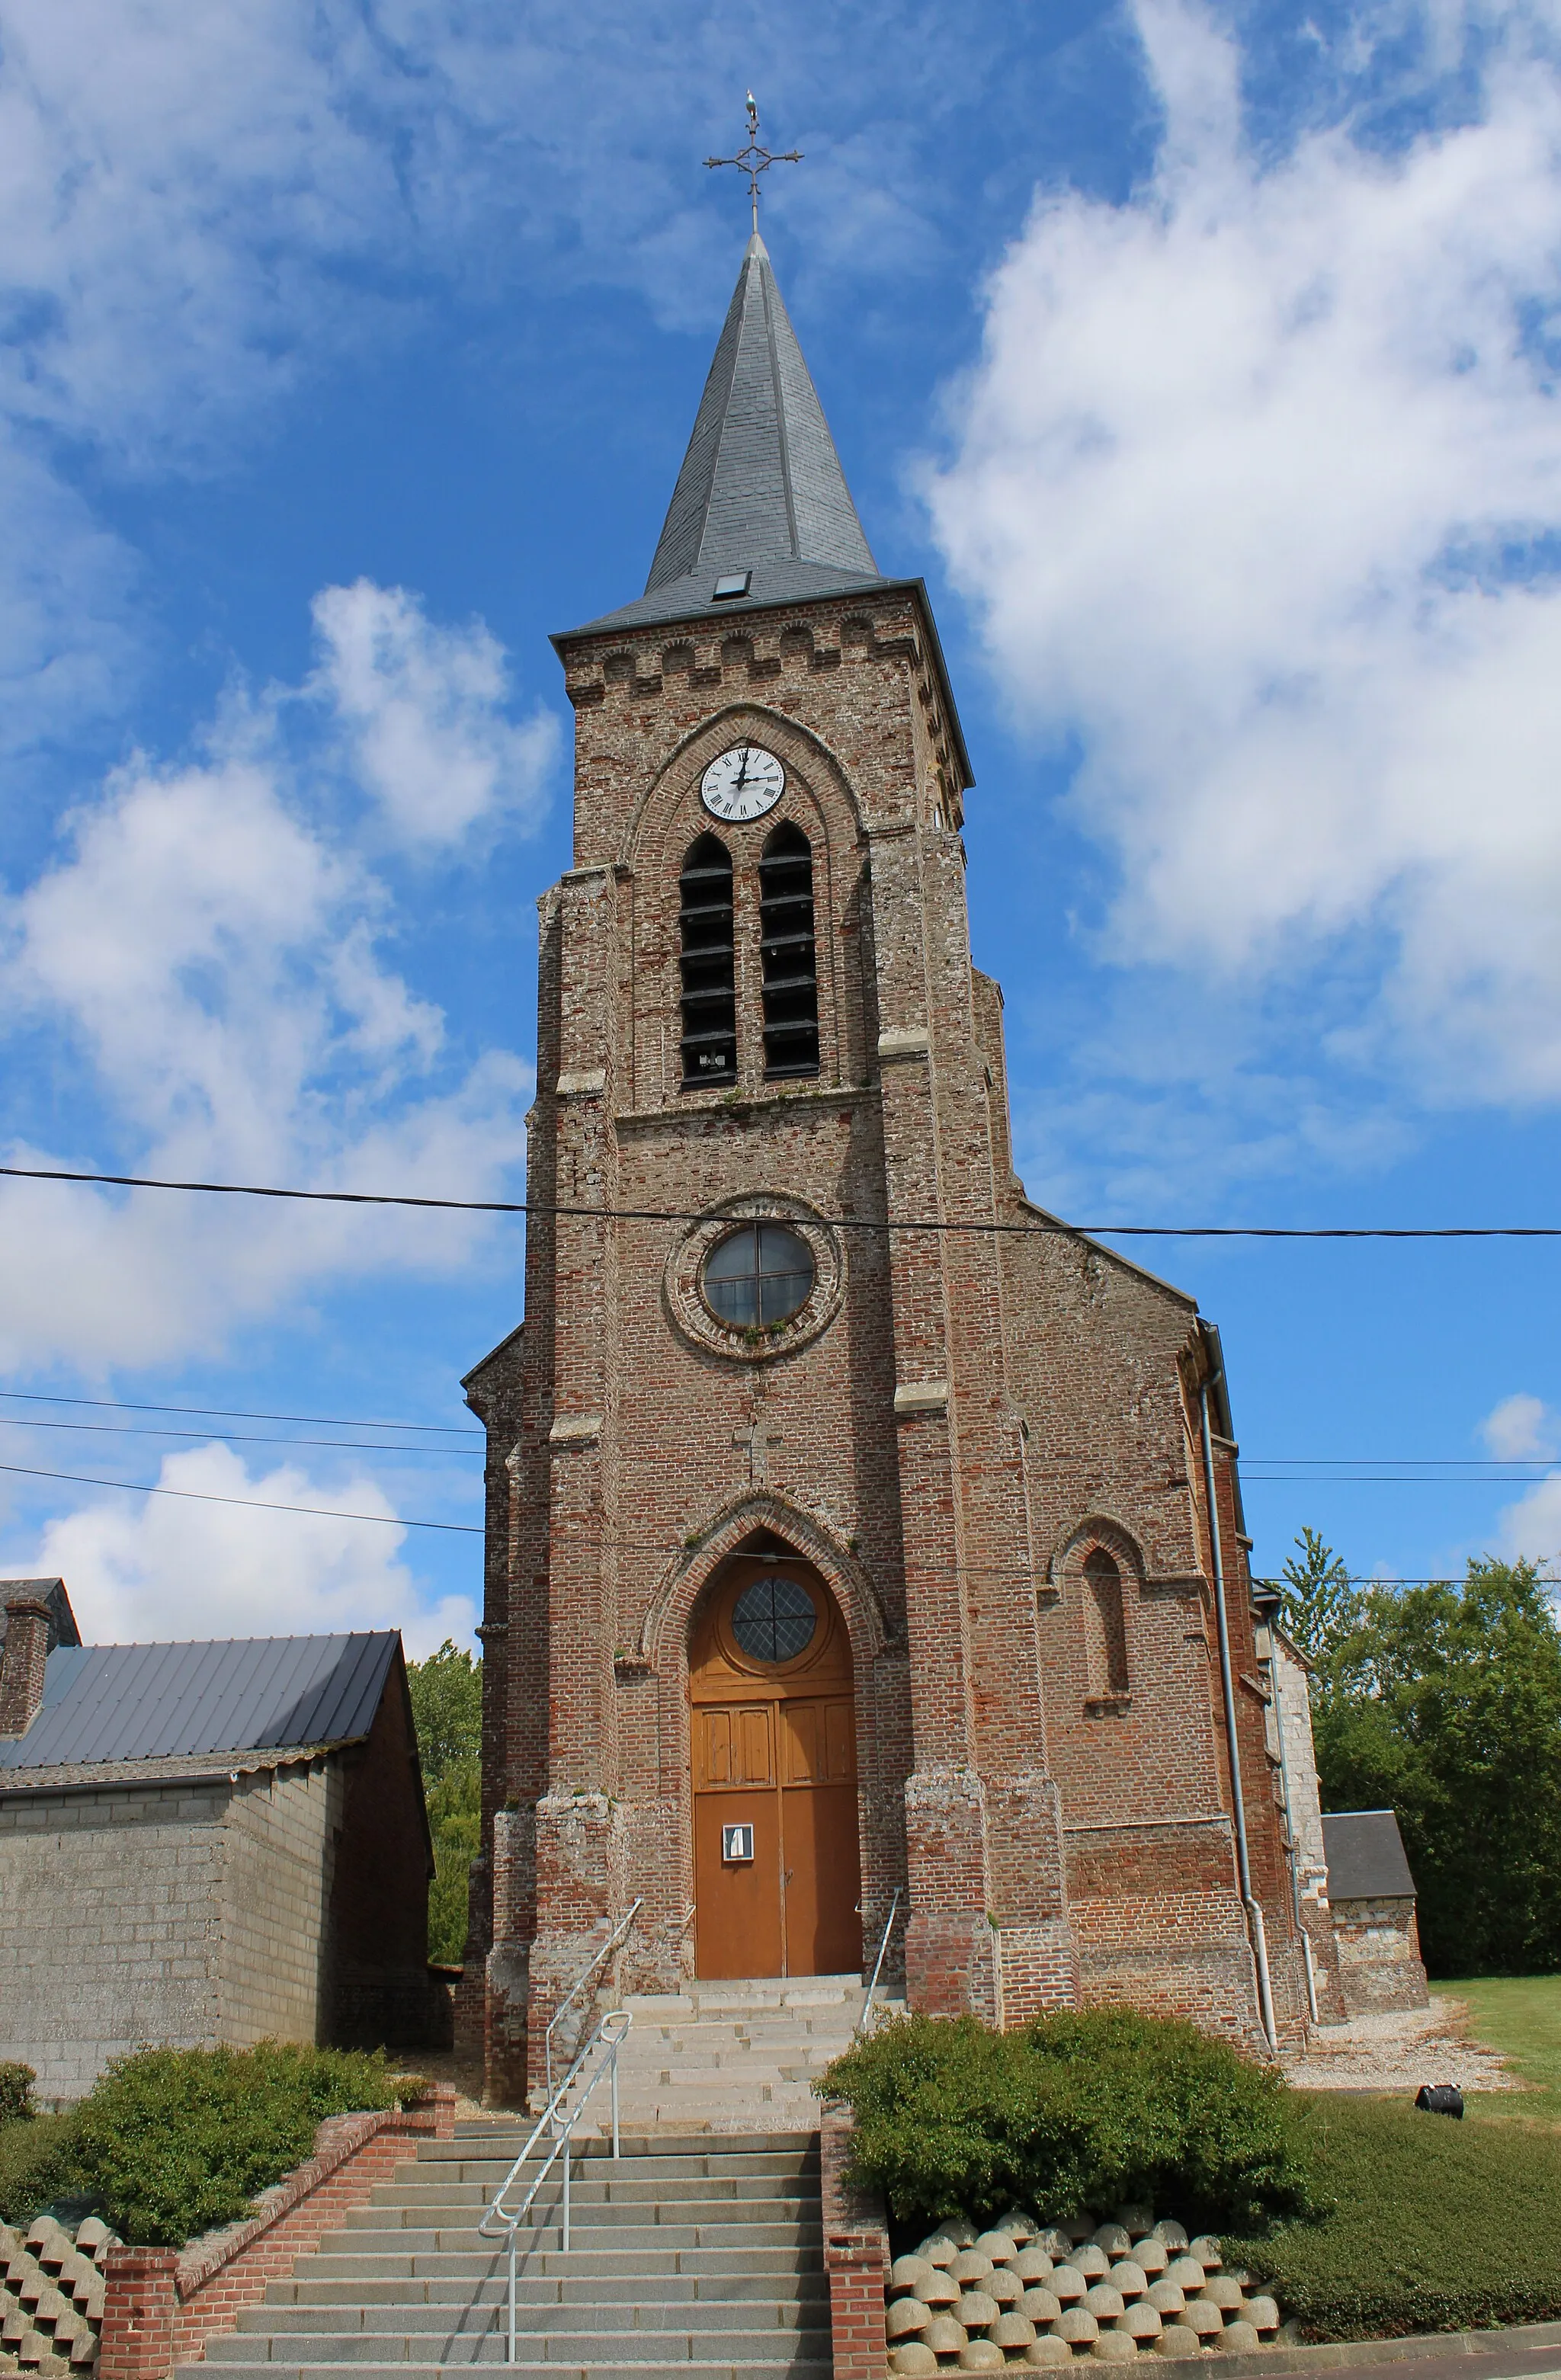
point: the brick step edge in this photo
(160, 2307)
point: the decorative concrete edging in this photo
(856, 2255)
(161, 2304)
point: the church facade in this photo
(855, 1529)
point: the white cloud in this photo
(156, 1567)
(420, 711)
(1521, 1428)
(1256, 491)
(210, 963)
(1530, 1529)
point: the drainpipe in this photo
(1228, 1687)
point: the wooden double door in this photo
(777, 1875)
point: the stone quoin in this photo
(831, 1552)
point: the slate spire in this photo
(761, 502)
(761, 481)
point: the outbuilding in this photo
(1372, 1896)
(203, 1843)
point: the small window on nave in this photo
(710, 1008)
(1105, 1629)
(790, 964)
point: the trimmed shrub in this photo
(1433, 2227)
(37, 2165)
(176, 2141)
(1081, 2110)
(15, 2093)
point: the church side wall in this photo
(110, 1925)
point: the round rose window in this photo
(759, 1274)
(774, 1620)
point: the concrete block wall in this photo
(278, 1848)
(111, 1914)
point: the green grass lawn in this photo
(1436, 2225)
(1519, 2015)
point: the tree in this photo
(1321, 1604)
(446, 1691)
(1444, 1703)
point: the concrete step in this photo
(567, 2287)
(796, 2257)
(607, 2350)
(609, 2185)
(418, 2321)
(801, 2360)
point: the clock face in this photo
(743, 783)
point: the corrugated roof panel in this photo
(144, 1702)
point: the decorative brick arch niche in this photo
(1098, 1573)
(877, 1668)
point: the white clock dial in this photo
(743, 783)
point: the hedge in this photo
(1435, 2224)
(172, 2141)
(16, 2091)
(1081, 2110)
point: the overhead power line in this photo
(235, 1412)
(1044, 1229)
(250, 1504)
(623, 1544)
(233, 1437)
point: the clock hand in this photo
(742, 773)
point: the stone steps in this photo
(690, 2260)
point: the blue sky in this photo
(1203, 360)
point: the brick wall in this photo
(856, 2257)
(970, 1418)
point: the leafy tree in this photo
(1443, 1703)
(446, 1693)
(1323, 1605)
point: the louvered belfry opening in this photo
(710, 1005)
(791, 982)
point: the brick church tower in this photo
(830, 1551)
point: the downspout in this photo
(1228, 1687)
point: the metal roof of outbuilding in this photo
(1366, 1858)
(146, 1702)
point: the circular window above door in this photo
(774, 1620)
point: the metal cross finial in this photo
(754, 160)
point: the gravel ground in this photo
(1399, 2051)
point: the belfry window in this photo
(710, 1007)
(791, 984)
(1106, 1631)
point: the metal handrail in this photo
(877, 1967)
(608, 1947)
(499, 2220)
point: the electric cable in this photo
(235, 1412)
(1045, 1228)
(233, 1437)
